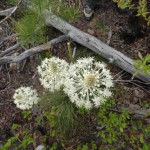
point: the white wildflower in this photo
(52, 73)
(89, 83)
(25, 97)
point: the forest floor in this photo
(127, 36)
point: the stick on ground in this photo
(32, 51)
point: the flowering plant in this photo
(52, 73)
(84, 84)
(25, 97)
(88, 83)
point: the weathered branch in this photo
(32, 51)
(8, 11)
(109, 36)
(94, 44)
(10, 49)
(139, 113)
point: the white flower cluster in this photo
(52, 73)
(25, 97)
(88, 83)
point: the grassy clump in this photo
(30, 29)
(60, 112)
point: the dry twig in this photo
(109, 36)
(10, 49)
(14, 9)
(7, 12)
(32, 51)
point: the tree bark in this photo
(94, 44)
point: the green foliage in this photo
(145, 104)
(27, 140)
(54, 146)
(59, 111)
(15, 126)
(114, 124)
(54, 6)
(101, 26)
(24, 138)
(142, 65)
(148, 20)
(83, 147)
(13, 2)
(141, 8)
(70, 14)
(26, 114)
(59, 8)
(92, 145)
(8, 144)
(124, 3)
(30, 29)
(118, 126)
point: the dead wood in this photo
(13, 9)
(94, 44)
(8, 11)
(32, 51)
(10, 49)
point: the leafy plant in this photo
(124, 3)
(142, 65)
(23, 138)
(141, 8)
(13, 2)
(83, 147)
(118, 126)
(114, 124)
(9, 143)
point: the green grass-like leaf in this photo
(13, 2)
(63, 114)
(30, 29)
(70, 14)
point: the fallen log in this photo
(94, 44)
